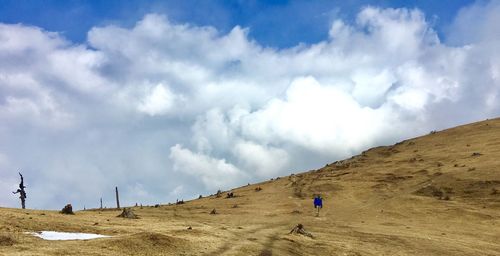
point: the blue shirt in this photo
(318, 202)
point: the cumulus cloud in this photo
(166, 110)
(317, 117)
(215, 173)
(159, 100)
(261, 160)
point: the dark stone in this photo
(68, 209)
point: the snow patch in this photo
(54, 235)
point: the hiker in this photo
(318, 203)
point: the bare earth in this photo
(425, 196)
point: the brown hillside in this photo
(434, 195)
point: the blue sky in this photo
(172, 99)
(272, 23)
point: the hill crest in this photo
(433, 195)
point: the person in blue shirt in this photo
(318, 203)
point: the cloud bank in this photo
(166, 110)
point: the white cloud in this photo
(260, 160)
(41, 110)
(115, 108)
(177, 191)
(214, 173)
(211, 132)
(370, 86)
(76, 67)
(159, 100)
(316, 117)
(139, 190)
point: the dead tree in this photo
(299, 229)
(128, 213)
(21, 191)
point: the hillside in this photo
(434, 195)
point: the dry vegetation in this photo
(433, 195)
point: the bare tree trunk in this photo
(117, 198)
(22, 192)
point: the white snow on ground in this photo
(54, 235)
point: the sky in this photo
(172, 99)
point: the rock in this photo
(68, 209)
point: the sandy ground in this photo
(425, 196)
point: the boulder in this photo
(68, 209)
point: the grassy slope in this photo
(386, 201)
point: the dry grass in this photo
(7, 240)
(387, 201)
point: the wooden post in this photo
(117, 198)
(101, 202)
